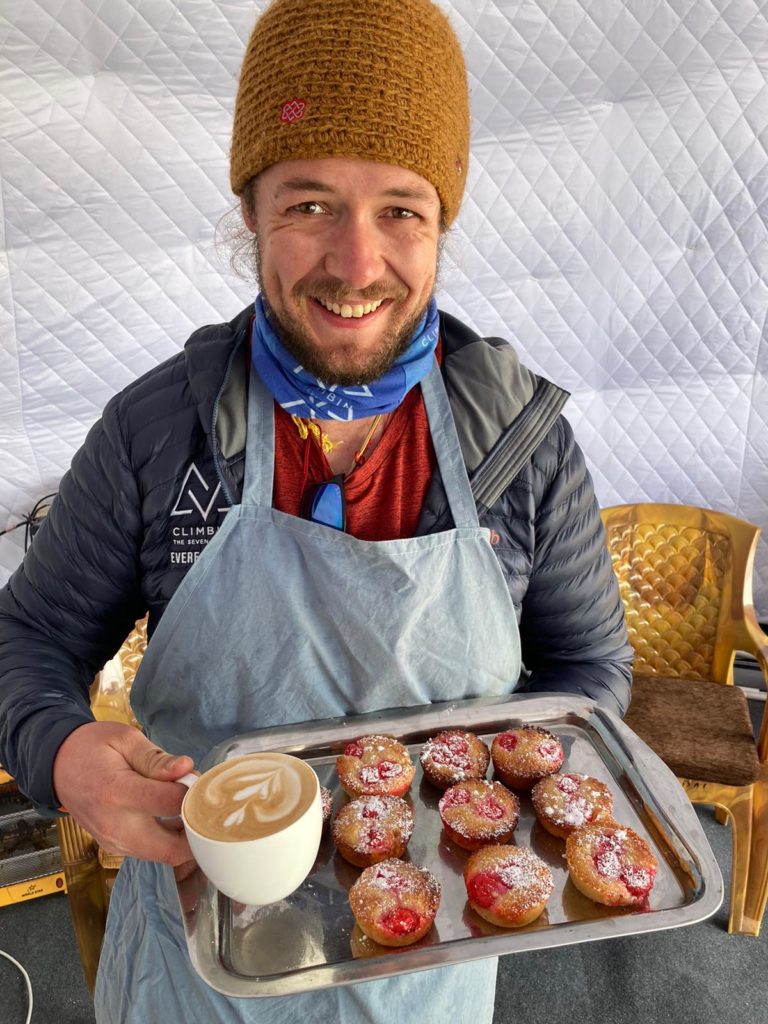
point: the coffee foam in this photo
(250, 797)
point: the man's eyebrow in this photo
(313, 185)
(302, 185)
(422, 195)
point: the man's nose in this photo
(355, 253)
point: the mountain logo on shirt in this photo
(196, 495)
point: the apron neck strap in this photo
(259, 477)
(260, 447)
(445, 441)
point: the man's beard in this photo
(334, 367)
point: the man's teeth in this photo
(346, 310)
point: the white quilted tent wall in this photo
(615, 226)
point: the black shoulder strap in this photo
(518, 442)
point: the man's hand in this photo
(115, 783)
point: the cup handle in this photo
(188, 780)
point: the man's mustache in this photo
(333, 291)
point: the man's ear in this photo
(248, 218)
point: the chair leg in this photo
(741, 824)
(86, 894)
(757, 883)
(736, 804)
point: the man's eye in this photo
(310, 207)
(400, 213)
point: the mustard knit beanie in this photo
(383, 80)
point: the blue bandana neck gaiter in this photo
(301, 394)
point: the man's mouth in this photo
(347, 310)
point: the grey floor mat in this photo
(698, 974)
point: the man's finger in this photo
(133, 792)
(174, 824)
(152, 762)
(146, 839)
(181, 872)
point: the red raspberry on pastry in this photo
(507, 885)
(395, 903)
(523, 756)
(375, 766)
(477, 813)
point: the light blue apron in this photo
(282, 620)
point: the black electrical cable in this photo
(32, 520)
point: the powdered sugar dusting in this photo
(550, 751)
(397, 877)
(391, 811)
(577, 812)
(388, 876)
(568, 783)
(637, 878)
(449, 749)
(608, 857)
(571, 800)
(372, 773)
(516, 876)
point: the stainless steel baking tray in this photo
(310, 941)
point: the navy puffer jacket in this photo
(155, 478)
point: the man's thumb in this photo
(154, 763)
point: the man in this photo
(350, 565)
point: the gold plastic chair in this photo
(90, 871)
(685, 577)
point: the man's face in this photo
(347, 261)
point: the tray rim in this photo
(640, 764)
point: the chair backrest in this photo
(685, 577)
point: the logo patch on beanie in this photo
(293, 110)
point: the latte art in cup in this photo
(249, 797)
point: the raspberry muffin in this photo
(395, 903)
(326, 802)
(611, 864)
(478, 813)
(373, 828)
(565, 802)
(523, 756)
(375, 766)
(507, 885)
(453, 756)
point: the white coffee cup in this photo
(254, 824)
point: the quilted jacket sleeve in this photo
(572, 623)
(68, 607)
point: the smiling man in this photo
(341, 501)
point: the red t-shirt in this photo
(385, 494)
